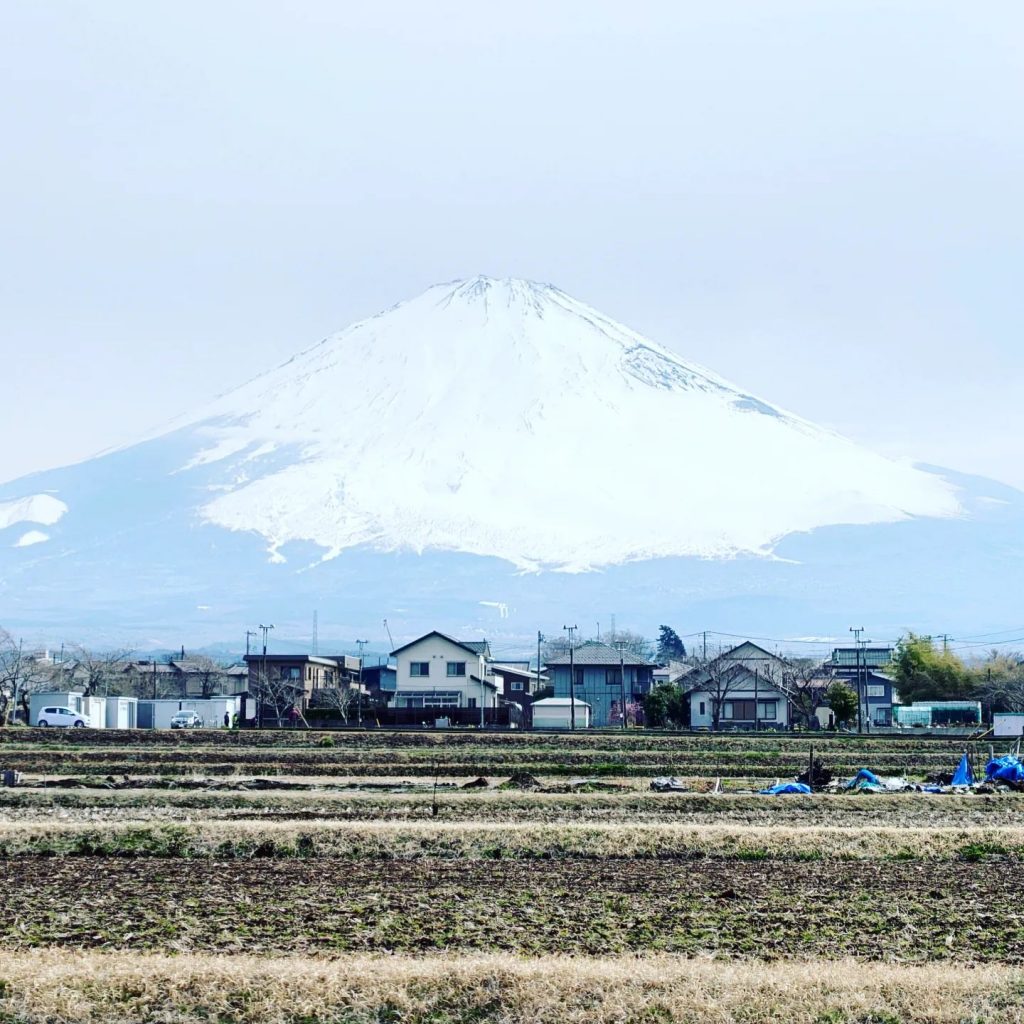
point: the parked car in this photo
(186, 720)
(61, 717)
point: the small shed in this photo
(557, 713)
(1008, 724)
(92, 709)
(122, 712)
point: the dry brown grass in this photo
(405, 840)
(77, 988)
(480, 805)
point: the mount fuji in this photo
(489, 456)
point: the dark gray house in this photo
(863, 670)
(602, 674)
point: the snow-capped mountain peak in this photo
(503, 417)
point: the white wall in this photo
(211, 710)
(121, 712)
(437, 652)
(1007, 725)
(764, 692)
(92, 709)
(558, 716)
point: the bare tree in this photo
(100, 671)
(339, 698)
(22, 673)
(1000, 681)
(279, 695)
(805, 683)
(718, 677)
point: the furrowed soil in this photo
(366, 894)
(768, 909)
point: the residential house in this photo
(437, 672)
(517, 683)
(602, 676)
(281, 682)
(742, 688)
(863, 670)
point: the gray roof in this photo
(595, 653)
(473, 646)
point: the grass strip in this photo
(472, 841)
(91, 988)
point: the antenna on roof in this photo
(316, 639)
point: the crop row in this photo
(390, 763)
(472, 841)
(895, 911)
(435, 740)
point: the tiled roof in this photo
(595, 653)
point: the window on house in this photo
(613, 676)
(438, 699)
(767, 710)
(419, 668)
(456, 668)
(703, 712)
(875, 690)
(578, 677)
(517, 684)
(740, 710)
(471, 702)
(294, 673)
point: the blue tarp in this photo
(1005, 769)
(787, 787)
(862, 777)
(963, 776)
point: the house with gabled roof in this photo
(602, 676)
(742, 688)
(436, 671)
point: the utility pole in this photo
(263, 679)
(705, 656)
(359, 693)
(621, 645)
(572, 678)
(316, 633)
(856, 631)
(540, 640)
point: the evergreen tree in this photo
(670, 647)
(843, 702)
(924, 672)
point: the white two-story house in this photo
(437, 671)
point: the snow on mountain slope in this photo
(505, 418)
(37, 508)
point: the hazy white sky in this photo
(819, 200)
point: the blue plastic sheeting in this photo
(1005, 769)
(864, 776)
(963, 776)
(787, 787)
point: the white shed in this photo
(556, 713)
(1008, 724)
(92, 709)
(121, 712)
